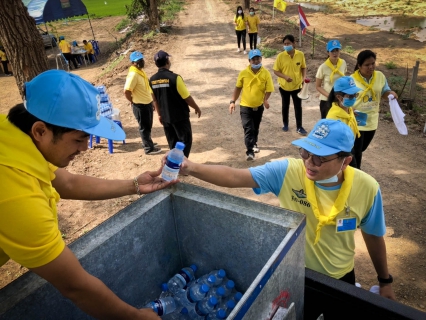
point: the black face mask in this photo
(140, 64)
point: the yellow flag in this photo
(280, 5)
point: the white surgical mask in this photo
(256, 66)
(240, 11)
(334, 178)
(251, 13)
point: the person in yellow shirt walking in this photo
(240, 28)
(65, 48)
(89, 51)
(4, 62)
(139, 93)
(290, 68)
(331, 70)
(253, 22)
(256, 84)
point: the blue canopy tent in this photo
(50, 10)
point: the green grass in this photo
(171, 8)
(390, 65)
(348, 49)
(99, 9)
(122, 24)
(268, 52)
(112, 65)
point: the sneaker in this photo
(256, 149)
(245, 52)
(155, 144)
(302, 131)
(250, 157)
(154, 151)
(238, 50)
(285, 128)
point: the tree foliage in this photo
(147, 7)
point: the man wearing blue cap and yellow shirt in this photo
(335, 198)
(37, 140)
(256, 84)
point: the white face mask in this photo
(240, 11)
(334, 178)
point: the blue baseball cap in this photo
(66, 100)
(135, 56)
(254, 53)
(333, 44)
(61, 37)
(328, 137)
(346, 85)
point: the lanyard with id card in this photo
(346, 224)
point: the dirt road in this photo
(203, 48)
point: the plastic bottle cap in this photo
(230, 304)
(192, 266)
(220, 291)
(230, 284)
(164, 287)
(205, 288)
(180, 145)
(213, 301)
(221, 273)
(212, 279)
(221, 314)
(238, 296)
(184, 311)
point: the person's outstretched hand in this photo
(150, 181)
(148, 314)
(184, 167)
(387, 291)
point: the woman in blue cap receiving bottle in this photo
(331, 70)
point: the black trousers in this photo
(297, 102)
(144, 115)
(330, 312)
(361, 144)
(241, 35)
(324, 107)
(71, 58)
(5, 68)
(179, 132)
(253, 40)
(250, 119)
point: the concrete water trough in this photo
(261, 247)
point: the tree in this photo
(246, 4)
(22, 42)
(149, 7)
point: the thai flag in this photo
(303, 21)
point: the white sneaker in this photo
(250, 157)
(256, 149)
(238, 50)
(245, 52)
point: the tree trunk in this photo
(246, 4)
(22, 42)
(154, 18)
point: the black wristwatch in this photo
(388, 280)
(232, 101)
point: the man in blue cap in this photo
(335, 198)
(38, 138)
(256, 84)
(138, 92)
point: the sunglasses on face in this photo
(351, 96)
(316, 160)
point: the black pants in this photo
(241, 35)
(324, 107)
(297, 102)
(251, 118)
(330, 312)
(71, 58)
(5, 68)
(144, 115)
(361, 144)
(253, 40)
(179, 132)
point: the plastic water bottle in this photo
(228, 286)
(375, 289)
(207, 279)
(202, 308)
(217, 292)
(226, 306)
(174, 160)
(164, 291)
(162, 306)
(236, 297)
(181, 279)
(219, 275)
(216, 315)
(187, 298)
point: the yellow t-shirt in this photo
(89, 48)
(64, 46)
(181, 88)
(29, 232)
(254, 86)
(3, 56)
(241, 23)
(138, 84)
(338, 113)
(324, 73)
(253, 22)
(290, 67)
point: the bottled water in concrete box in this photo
(202, 308)
(173, 161)
(181, 279)
(187, 298)
(162, 306)
(219, 276)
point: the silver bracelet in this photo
(135, 182)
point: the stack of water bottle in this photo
(210, 297)
(105, 102)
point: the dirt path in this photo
(203, 48)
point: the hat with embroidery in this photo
(333, 44)
(136, 56)
(328, 137)
(254, 53)
(346, 85)
(66, 100)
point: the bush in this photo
(268, 52)
(348, 49)
(390, 65)
(122, 24)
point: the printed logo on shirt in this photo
(300, 195)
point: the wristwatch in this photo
(388, 280)
(232, 101)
